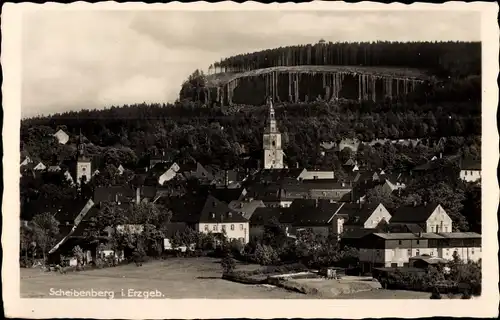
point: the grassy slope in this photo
(219, 79)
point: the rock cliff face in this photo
(302, 85)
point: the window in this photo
(241, 226)
(400, 242)
(472, 250)
(315, 177)
(223, 227)
(215, 227)
(212, 215)
(409, 252)
(418, 241)
(274, 143)
(232, 227)
(206, 227)
(432, 228)
(83, 169)
(417, 252)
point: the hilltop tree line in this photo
(128, 134)
(455, 59)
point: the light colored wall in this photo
(400, 256)
(167, 176)
(470, 175)
(439, 218)
(40, 166)
(377, 216)
(241, 229)
(310, 175)
(62, 137)
(273, 154)
(83, 169)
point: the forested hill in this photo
(331, 71)
(455, 59)
(224, 133)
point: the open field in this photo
(219, 79)
(175, 278)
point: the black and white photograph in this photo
(286, 154)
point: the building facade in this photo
(273, 151)
(396, 249)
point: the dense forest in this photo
(455, 59)
(331, 71)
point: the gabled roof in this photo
(357, 233)
(216, 211)
(357, 213)
(304, 212)
(275, 175)
(245, 207)
(413, 214)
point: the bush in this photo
(265, 255)
(228, 264)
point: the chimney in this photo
(297, 165)
(440, 155)
(138, 195)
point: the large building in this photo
(273, 152)
(396, 249)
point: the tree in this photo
(27, 238)
(379, 194)
(79, 255)
(45, 228)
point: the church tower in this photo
(273, 152)
(83, 164)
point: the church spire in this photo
(271, 121)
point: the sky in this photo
(74, 60)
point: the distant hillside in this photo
(332, 71)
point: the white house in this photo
(25, 161)
(169, 174)
(430, 217)
(396, 249)
(61, 136)
(470, 170)
(217, 218)
(39, 167)
(355, 216)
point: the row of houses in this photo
(384, 237)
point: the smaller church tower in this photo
(83, 163)
(273, 152)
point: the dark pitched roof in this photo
(404, 227)
(114, 193)
(357, 213)
(227, 195)
(245, 207)
(357, 233)
(216, 211)
(262, 216)
(304, 212)
(413, 214)
(470, 164)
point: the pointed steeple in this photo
(271, 126)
